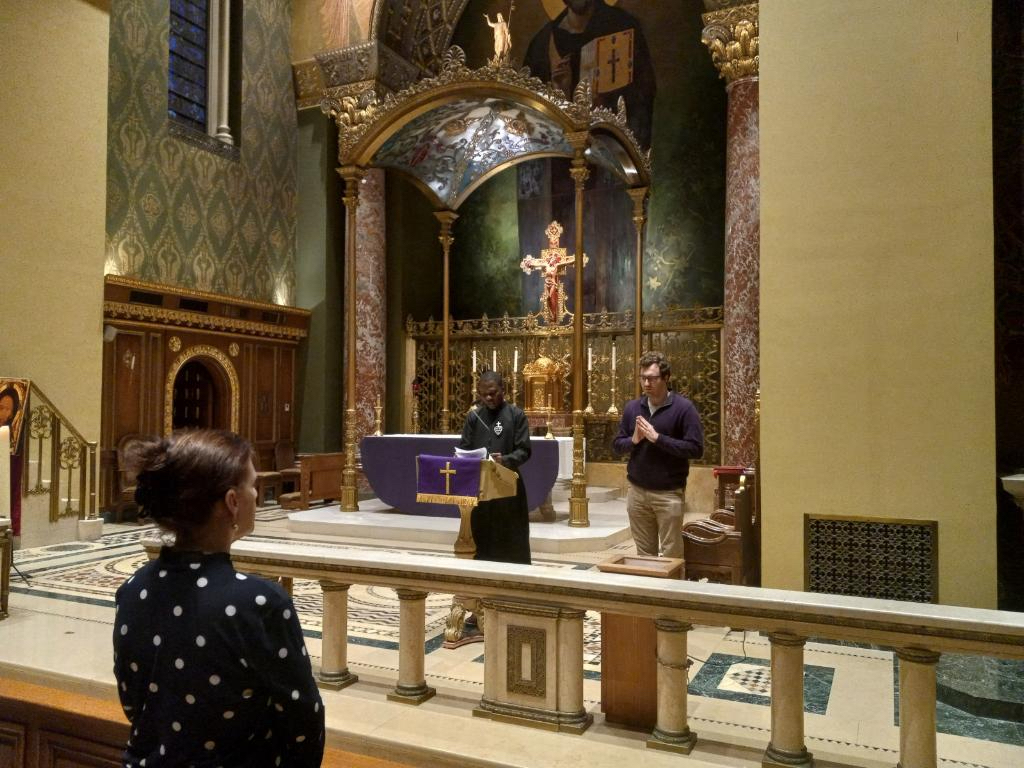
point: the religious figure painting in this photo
(13, 403)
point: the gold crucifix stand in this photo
(552, 262)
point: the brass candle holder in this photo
(590, 392)
(379, 410)
(612, 410)
(415, 416)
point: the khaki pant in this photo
(656, 518)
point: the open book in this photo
(471, 453)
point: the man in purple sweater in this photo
(662, 432)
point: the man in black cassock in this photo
(501, 527)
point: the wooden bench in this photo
(319, 479)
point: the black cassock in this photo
(501, 527)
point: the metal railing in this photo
(59, 461)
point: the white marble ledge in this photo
(939, 627)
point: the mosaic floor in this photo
(851, 695)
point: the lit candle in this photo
(515, 361)
(474, 361)
(590, 358)
(5, 471)
(613, 355)
(494, 359)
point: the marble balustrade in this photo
(535, 615)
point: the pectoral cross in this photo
(552, 262)
(447, 472)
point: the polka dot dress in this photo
(212, 669)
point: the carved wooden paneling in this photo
(128, 374)
(285, 392)
(12, 744)
(59, 750)
(266, 364)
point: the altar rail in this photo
(546, 609)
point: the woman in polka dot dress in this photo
(211, 666)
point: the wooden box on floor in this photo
(629, 649)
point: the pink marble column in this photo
(371, 301)
(731, 35)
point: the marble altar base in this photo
(375, 520)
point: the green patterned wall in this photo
(182, 215)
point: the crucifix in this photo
(447, 472)
(552, 262)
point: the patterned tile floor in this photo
(850, 692)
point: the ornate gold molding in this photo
(192, 293)
(200, 350)
(731, 35)
(309, 83)
(115, 310)
(360, 116)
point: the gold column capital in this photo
(352, 175)
(731, 34)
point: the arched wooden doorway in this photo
(199, 399)
(201, 391)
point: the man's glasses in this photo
(650, 379)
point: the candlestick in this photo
(5, 471)
(474, 361)
(515, 361)
(613, 355)
(494, 359)
(590, 358)
(378, 409)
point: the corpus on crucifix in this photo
(552, 262)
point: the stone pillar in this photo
(334, 643)
(731, 34)
(412, 687)
(786, 747)
(570, 666)
(371, 300)
(672, 732)
(917, 708)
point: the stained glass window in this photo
(188, 48)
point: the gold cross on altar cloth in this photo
(447, 472)
(552, 262)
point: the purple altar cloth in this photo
(389, 463)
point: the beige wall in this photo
(53, 111)
(876, 277)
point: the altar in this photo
(389, 463)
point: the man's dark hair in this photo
(12, 393)
(492, 376)
(657, 358)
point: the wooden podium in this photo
(629, 649)
(464, 483)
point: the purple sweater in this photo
(664, 464)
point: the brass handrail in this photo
(45, 422)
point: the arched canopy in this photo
(452, 132)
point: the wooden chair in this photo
(269, 480)
(287, 464)
(713, 551)
(319, 478)
(125, 492)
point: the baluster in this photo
(412, 687)
(54, 468)
(334, 652)
(917, 707)
(672, 733)
(786, 747)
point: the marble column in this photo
(917, 708)
(334, 645)
(371, 300)
(731, 34)
(672, 732)
(412, 687)
(786, 747)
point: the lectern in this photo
(463, 482)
